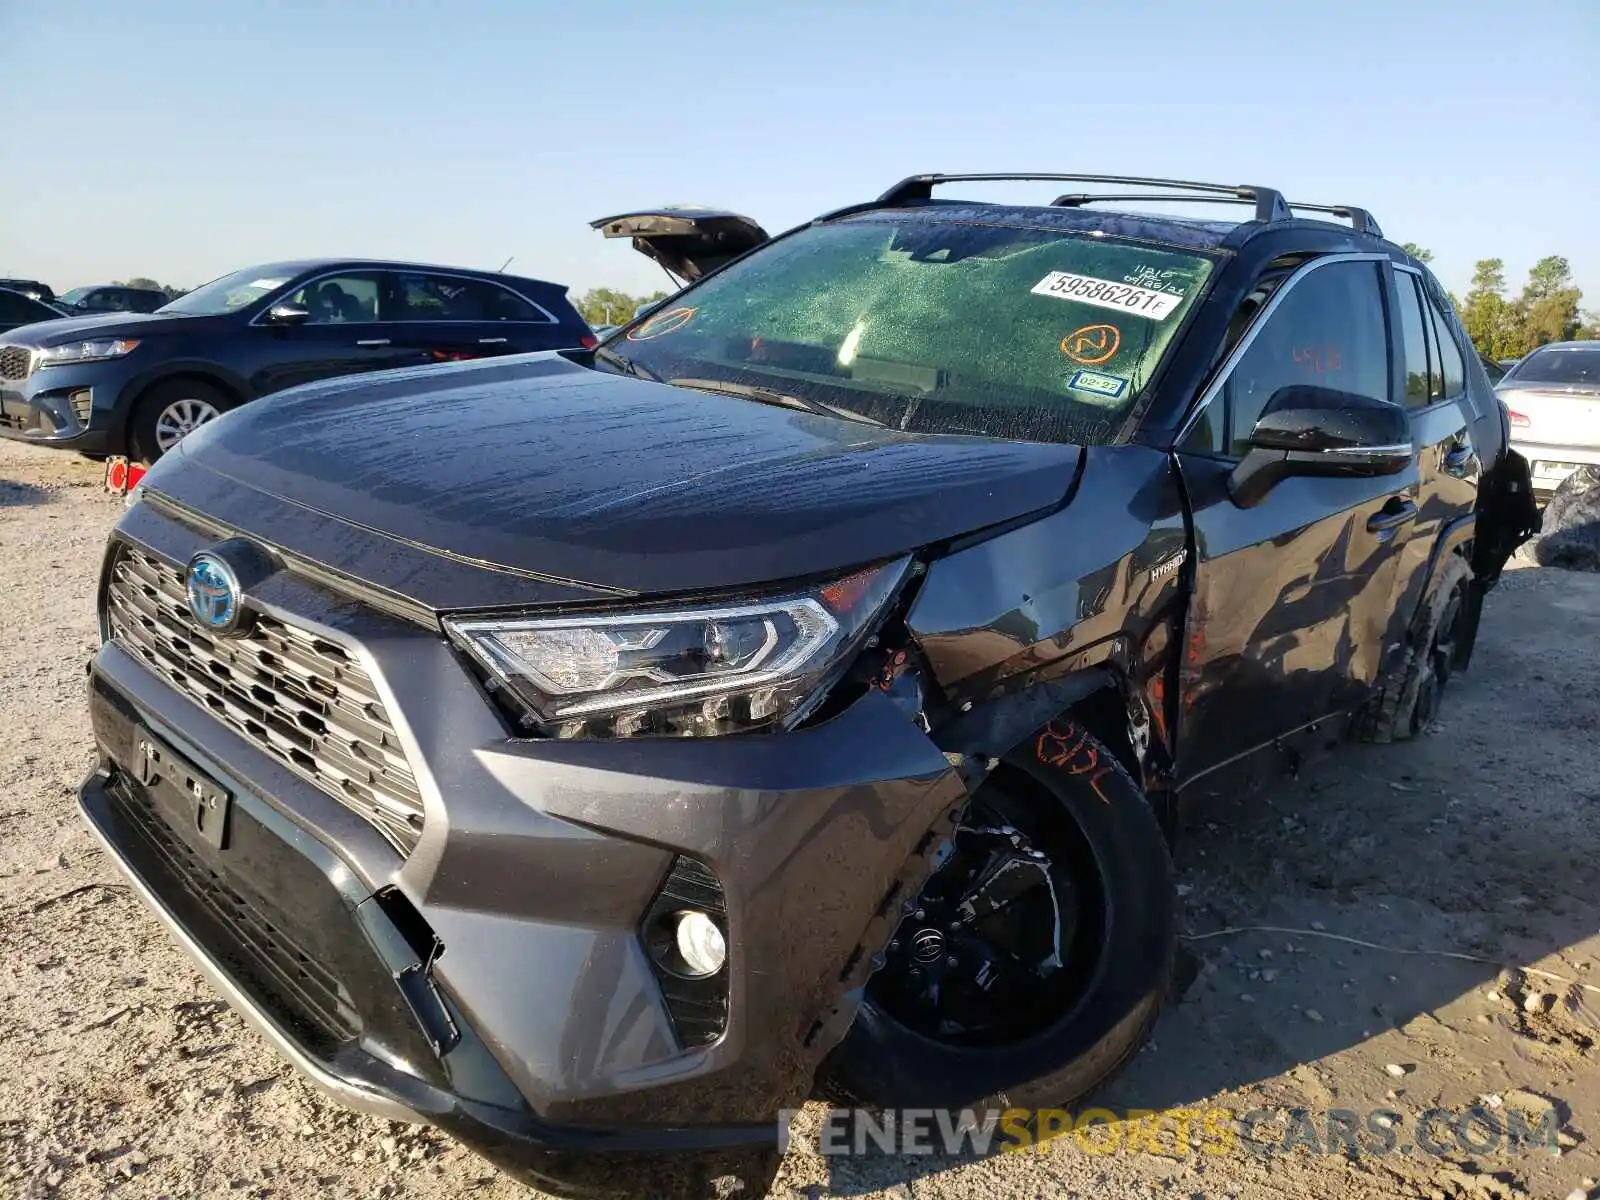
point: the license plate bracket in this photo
(184, 786)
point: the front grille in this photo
(255, 940)
(15, 362)
(300, 698)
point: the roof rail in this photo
(1269, 202)
(1360, 219)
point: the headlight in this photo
(695, 671)
(81, 352)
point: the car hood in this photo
(99, 325)
(539, 480)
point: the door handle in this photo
(1391, 516)
(373, 342)
(1458, 460)
(491, 341)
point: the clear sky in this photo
(183, 138)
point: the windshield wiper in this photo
(626, 365)
(763, 395)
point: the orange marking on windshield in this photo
(1091, 345)
(660, 323)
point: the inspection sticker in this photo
(1124, 297)
(1099, 383)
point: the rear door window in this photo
(421, 296)
(1413, 347)
(1453, 369)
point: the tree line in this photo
(1505, 327)
(607, 306)
(146, 284)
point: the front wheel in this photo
(170, 411)
(1034, 961)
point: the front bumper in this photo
(71, 407)
(536, 864)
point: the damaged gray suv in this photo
(596, 753)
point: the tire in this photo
(883, 1062)
(177, 406)
(1407, 699)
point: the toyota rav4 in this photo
(596, 752)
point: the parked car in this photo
(114, 297)
(30, 288)
(17, 309)
(1492, 369)
(1553, 400)
(593, 753)
(136, 384)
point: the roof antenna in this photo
(506, 264)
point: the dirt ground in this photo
(121, 1074)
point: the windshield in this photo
(228, 294)
(75, 296)
(1580, 367)
(932, 325)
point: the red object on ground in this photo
(123, 476)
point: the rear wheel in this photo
(1034, 961)
(1406, 702)
(170, 411)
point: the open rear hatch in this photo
(688, 241)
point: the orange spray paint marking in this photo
(1092, 345)
(1068, 747)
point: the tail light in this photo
(1518, 421)
(588, 341)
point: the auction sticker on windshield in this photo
(1098, 382)
(1124, 297)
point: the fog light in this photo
(700, 943)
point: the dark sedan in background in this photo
(113, 298)
(136, 384)
(18, 309)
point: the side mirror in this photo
(288, 314)
(1307, 430)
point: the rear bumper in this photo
(1549, 465)
(543, 1028)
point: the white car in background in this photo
(1553, 400)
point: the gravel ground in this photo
(121, 1073)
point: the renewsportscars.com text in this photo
(1179, 1132)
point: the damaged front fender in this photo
(1084, 606)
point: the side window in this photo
(1455, 371)
(422, 297)
(340, 300)
(15, 310)
(1413, 348)
(1327, 331)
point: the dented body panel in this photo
(1033, 608)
